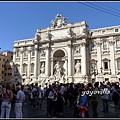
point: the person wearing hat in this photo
(18, 101)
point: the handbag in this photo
(51, 97)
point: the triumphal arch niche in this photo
(62, 51)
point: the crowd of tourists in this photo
(56, 95)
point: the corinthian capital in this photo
(111, 42)
(83, 44)
(98, 44)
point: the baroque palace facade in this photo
(68, 52)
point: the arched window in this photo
(18, 53)
(32, 68)
(24, 68)
(25, 52)
(33, 52)
(105, 45)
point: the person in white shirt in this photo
(18, 102)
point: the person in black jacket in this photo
(48, 100)
(115, 98)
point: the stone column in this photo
(21, 61)
(29, 62)
(52, 67)
(14, 57)
(69, 60)
(83, 60)
(99, 59)
(47, 62)
(36, 61)
(66, 67)
(112, 55)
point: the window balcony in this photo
(106, 71)
(118, 71)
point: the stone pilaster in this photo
(112, 55)
(29, 61)
(99, 59)
(47, 62)
(83, 60)
(21, 61)
(51, 67)
(66, 67)
(69, 60)
(36, 61)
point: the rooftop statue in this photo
(59, 21)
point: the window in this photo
(0, 59)
(105, 45)
(118, 65)
(103, 31)
(17, 53)
(118, 43)
(32, 68)
(106, 79)
(23, 80)
(92, 46)
(2, 72)
(24, 68)
(33, 52)
(25, 53)
(106, 65)
(116, 30)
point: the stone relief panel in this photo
(48, 35)
(38, 36)
(77, 49)
(42, 52)
(84, 28)
(70, 32)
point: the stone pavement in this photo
(40, 112)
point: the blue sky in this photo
(20, 20)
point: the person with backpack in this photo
(116, 99)
(20, 97)
(7, 96)
(105, 98)
(82, 103)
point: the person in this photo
(94, 100)
(105, 98)
(7, 96)
(49, 101)
(20, 96)
(116, 98)
(57, 68)
(77, 67)
(54, 92)
(82, 103)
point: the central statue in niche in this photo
(58, 69)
